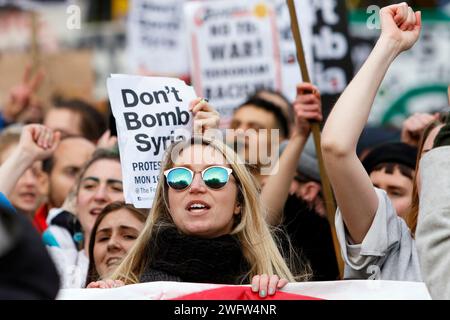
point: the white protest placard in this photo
(156, 38)
(150, 114)
(290, 69)
(234, 50)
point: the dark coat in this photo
(26, 269)
(311, 238)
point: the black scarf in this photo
(194, 259)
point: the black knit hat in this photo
(392, 152)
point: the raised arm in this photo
(20, 95)
(353, 189)
(37, 142)
(307, 107)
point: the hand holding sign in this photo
(267, 285)
(307, 107)
(205, 116)
(105, 284)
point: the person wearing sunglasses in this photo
(206, 225)
(214, 177)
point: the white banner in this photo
(150, 114)
(156, 38)
(234, 50)
(328, 290)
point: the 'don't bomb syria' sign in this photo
(150, 114)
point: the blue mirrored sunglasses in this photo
(214, 177)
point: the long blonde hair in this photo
(258, 245)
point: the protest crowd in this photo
(160, 183)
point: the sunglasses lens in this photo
(215, 177)
(179, 178)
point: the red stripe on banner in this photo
(240, 293)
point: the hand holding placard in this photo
(205, 116)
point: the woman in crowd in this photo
(68, 235)
(372, 237)
(206, 225)
(99, 184)
(29, 190)
(35, 144)
(114, 232)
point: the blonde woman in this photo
(206, 225)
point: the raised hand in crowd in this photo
(413, 127)
(362, 207)
(353, 187)
(267, 285)
(106, 141)
(400, 27)
(37, 142)
(21, 95)
(307, 108)
(105, 284)
(205, 116)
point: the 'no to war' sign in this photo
(288, 53)
(155, 36)
(234, 50)
(150, 114)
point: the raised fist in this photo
(401, 24)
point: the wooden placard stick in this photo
(315, 128)
(34, 42)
